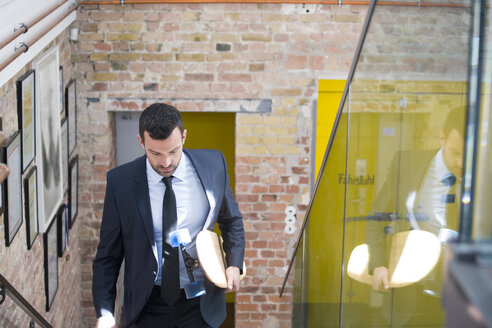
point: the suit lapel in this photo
(208, 187)
(142, 198)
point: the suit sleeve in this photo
(108, 258)
(231, 225)
(381, 210)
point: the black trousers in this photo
(185, 313)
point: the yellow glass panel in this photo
(383, 175)
(329, 95)
(482, 223)
(384, 126)
(324, 233)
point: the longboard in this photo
(413, 255)
(211, 256)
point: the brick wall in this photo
(191, 55)
(23, 268)
(419, 43)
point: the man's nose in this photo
(166, 162)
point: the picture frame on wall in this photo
(27, 117)
(64, 144)
(62, 98)
(48, 137)
(73, 195)
(12, 187)
(5, 170)
(67, 225)
(50, 264)
(71, 105)
(61, 230)
(2, 194)
(31, 206)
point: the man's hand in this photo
(380, 279)
(105, 322)
(232, 276)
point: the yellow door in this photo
(214, 131)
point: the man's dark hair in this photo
(455, 120)
(159, 120)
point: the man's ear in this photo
(184, 136)
(442, 139)
(141, 141)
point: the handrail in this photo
(27, 25)
(24, 46)
(6, 289)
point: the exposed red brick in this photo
(265, 183)
(295, 62)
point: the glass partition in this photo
(387, 198)
(482, 224)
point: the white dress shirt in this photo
(431, 194)
(192, 207)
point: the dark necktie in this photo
(451, 201)
(170, 264)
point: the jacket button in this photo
(154, 273)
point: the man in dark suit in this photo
(137, 220)
(419, 192)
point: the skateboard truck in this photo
(180, 238)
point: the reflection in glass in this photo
(389, 188)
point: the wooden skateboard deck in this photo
(413, 255)
(211, 256)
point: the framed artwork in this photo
(64, 147)
(61, 229)
(50, 264)
(73, 196)
(31, 206)
(2, 194)
(62, 100)
(71, 105)
(26, 116)
(12, 187)
(48, 137)
(66, 218)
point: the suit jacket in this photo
(127, 232)
(389, 209)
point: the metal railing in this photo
(24, 46)
(6, 289)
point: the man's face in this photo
(164, 155)
(453, 152)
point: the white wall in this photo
(14, 12)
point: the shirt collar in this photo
(155, 178)
(180, 170)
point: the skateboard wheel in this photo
(180, 237)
